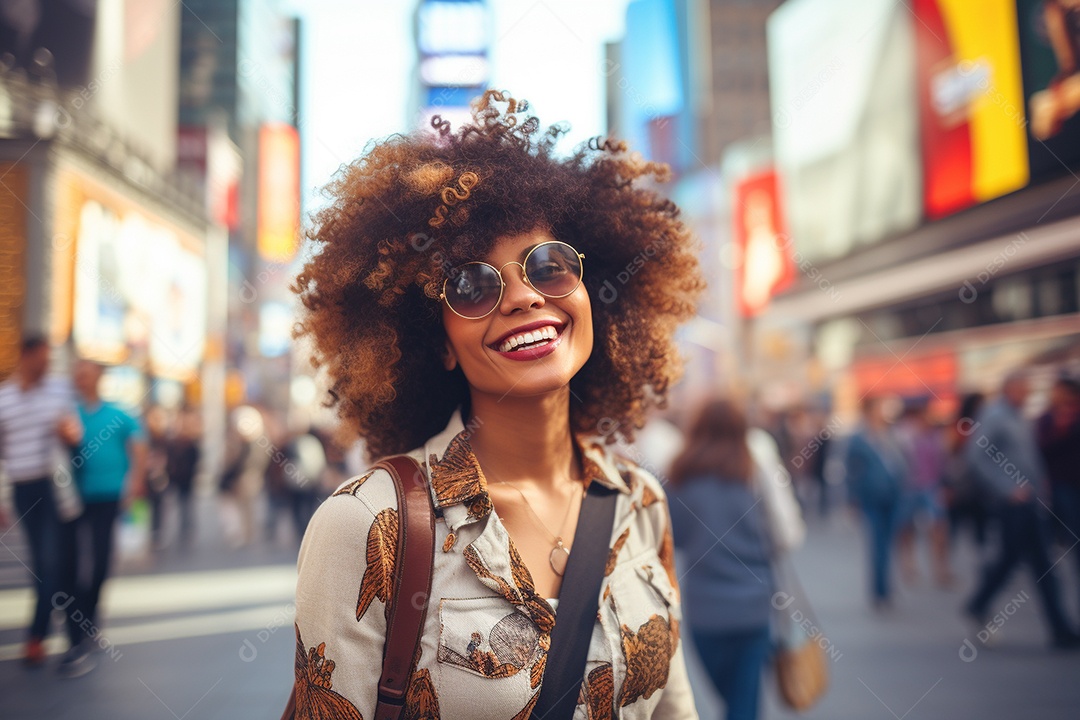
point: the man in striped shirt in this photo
(38, 425)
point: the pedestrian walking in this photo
(158, 481)
(109, 467)
(244, 480)
(729, 584)
(458, 323)
(182, 463)
(276, 481)
(1059, 441)
(876, 469)
(307, 456)
(819, 449)
(1005, 456)
(923, 496)
(38, 425)
(965, 496)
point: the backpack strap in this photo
(412, 582)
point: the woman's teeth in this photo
(540, 336)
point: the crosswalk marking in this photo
(274, 618)
(149, 595)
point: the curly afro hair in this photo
(414, 206)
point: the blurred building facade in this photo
(150, 185)
(932, 221)
(239, 116)
(738, 72)
(452, 58)
(886, 191)
(688, 85)
(106, 247)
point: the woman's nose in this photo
(518, 294)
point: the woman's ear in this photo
(449, 357)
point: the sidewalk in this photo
(210, 550)
(199, 633)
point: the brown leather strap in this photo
(412, 585)
(412, 581)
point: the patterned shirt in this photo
(487, 631)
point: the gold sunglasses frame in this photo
(524, 276)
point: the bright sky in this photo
(361, 70)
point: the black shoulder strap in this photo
(578, 603)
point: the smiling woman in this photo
(465, 298)
(404, 215)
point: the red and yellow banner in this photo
(971, 102)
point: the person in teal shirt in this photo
(108, 467)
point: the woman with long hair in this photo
(722, 531)
(469, 298)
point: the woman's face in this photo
(482, 348)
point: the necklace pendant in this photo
(558, 557)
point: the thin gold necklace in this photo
(559, 554)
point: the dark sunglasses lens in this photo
(554, 269)
(472, 290)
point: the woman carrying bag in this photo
(465, 299)
(735, 518)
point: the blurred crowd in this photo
(995, 469)
(1002, 471)
(277, 473)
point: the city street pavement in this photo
(912, 662)
(209, 635)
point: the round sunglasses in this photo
(475, 289)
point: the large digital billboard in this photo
(971, 104)
(845, 128)
(889, 114)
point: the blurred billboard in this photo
(764, 260)
(971, 105)
(452, 39)
(888, 115)
(1049, 51)
(843, 92)
(279, 192)
(129, 286)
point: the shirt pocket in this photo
(642, 584)
(651, 571)
(486, 636)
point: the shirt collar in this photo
(456, 477)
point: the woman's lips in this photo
(536, 352)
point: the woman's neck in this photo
(524, 439)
